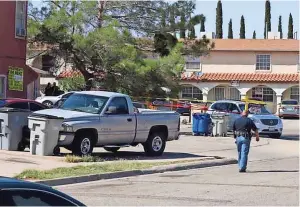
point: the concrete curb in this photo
(122, 174)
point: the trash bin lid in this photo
(7, 109)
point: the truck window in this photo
(121, 105)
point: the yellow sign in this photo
(15, 79)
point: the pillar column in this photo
(243, 96)
(278, 97)
(205, 95)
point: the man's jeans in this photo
(243, 147)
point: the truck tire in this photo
(155, 144)
(21, 146)
(83, 144)
(112, 149)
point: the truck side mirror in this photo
(111, 110)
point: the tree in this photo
(192, 33)
(219, 20)
(230, 32)
(242, 28)
(183, 23)
(202, 26)
(280, 26)
(99, 43)
(267, 18)
(254, 35)
(290, 28)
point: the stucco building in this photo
(263, 68)
(16, 78)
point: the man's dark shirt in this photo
(244, 123)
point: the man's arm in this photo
(234, 129)
(254, 128)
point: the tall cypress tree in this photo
(192, 33)
(219, 20)
(290, 28)
(230, 32)
(202, 27)
(172, 20)
(280, 26)
(182, 22)
(242, 28)
(254, 35)
(267, 18)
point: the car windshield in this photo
(255, 109)
(84, 103)
(290, 102)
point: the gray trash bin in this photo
(220, 122)
(44, 133)
(12, 123)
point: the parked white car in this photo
(266, 122)
(51, 100)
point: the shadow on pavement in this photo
(141, 156)
(272, 171)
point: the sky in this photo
(254, 14)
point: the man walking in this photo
(242, 133)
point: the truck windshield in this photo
(255, 109)
(84, 103)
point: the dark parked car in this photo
(25, 104)
(15, 192)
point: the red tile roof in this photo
(245, 77)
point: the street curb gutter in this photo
(131, 173)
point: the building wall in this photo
(244, 62)
(13, 49)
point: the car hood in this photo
(65, 114)
(264, 116)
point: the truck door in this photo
(117, 127)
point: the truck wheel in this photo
(112, 149)
(155, 144)
(83, 145)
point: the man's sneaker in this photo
(242, 170)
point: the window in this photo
(219, 93)
(263, 62)
(65, 96)
(192, 65)
(191, 92)
(36, 107)
(263, 93)
(295, 93)
(28, 197)
(20, 18)
(19, 105)
(48, 62)
(220, 106)
(121, 105)
(234, 93)
(233, 108)
(84, 103)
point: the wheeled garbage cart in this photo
(201, 124)
(12, 125)
(44, 134)
(220, 122)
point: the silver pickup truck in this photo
(106, 119)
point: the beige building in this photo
(267, 69)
